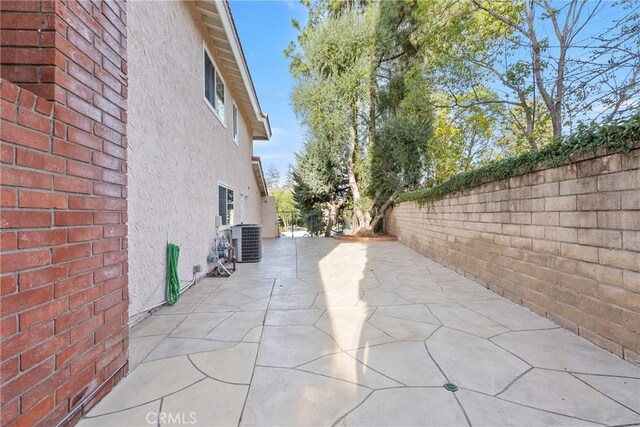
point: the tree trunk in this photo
(383, 209)
(332, 213)
(359, 216)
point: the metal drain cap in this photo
(451, 387)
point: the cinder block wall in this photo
(63, 260)
(563, 242)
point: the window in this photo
(235, 123)
(213, 87)
(225, 205)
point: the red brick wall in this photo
(563, 242)
(63, 260)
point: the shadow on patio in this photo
(361, 334)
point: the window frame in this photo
(228, 188)
(235, 123)
(205, 51)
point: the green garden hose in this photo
(173, 283)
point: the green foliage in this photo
(284, 200)
(617, 137)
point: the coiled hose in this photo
(173, 283)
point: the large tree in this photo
(347, 56)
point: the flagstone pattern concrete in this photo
(331, 333)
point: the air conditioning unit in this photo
(247, 242)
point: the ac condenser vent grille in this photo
(247, 240)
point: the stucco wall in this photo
(178, 150)
(564, 242)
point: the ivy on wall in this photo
(618, 137)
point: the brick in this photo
(38, 199)
(630, 200)
(7, 109)
(631, 280)
(562, 234)
(601, 273)
(84, 265)
(8, 327)
(86, 327)
(579, 186)
(34, 121)
(115, 150)
(25, 178)
(85, 139)
(617, 333)
(9, 369)
(26, 381)
(106, 245)
(115, 284)
(561, 203)
(624, 220)
(578, 219)
(106, 217)
(72, 118)
(43, 313)
(8, 241)
(15, 134)
(545, 190)
(114, 177)
(72, 185)
(6, 153)
(115, 257)
(31, 397)
(71, 352)
(599, 166)
(83, 234)
(8, 197)
(35, 160)
(579, 252)
(109, 190)
(84, 108)
(23, 260)
(86, 203)
(102, 274)
(627, 180)
(70, 252)
(106, 330)
(71, 151)
(106, 161)
(561, 173)
(41, 238)
(631, 241)
(74, 388)
(70, 318)
(83, 170)
(44, 107)
(42, 276)
(26, 340)
(36, 413)
(601, 238)
(598, 201)
(106, 133)
(63, 218)
(87, 359)
(621, 259)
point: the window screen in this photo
(213, 86)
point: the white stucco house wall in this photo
(192, 119)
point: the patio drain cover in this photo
(451, 387)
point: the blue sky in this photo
(265, 31)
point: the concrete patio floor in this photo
(328, 333)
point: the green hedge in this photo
(619, 137)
